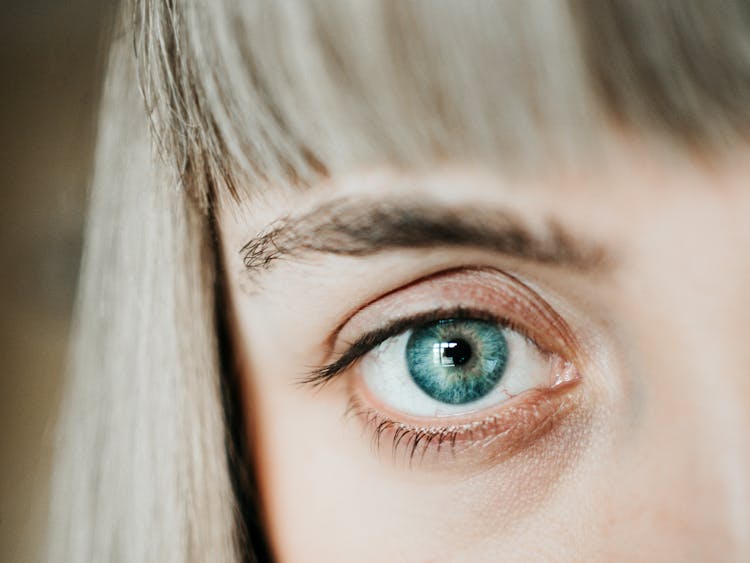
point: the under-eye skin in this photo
(491, 368)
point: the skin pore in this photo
(625, 288)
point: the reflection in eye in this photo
(456, 361)
(454, 366)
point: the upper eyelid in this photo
(369, 341)
(372, 339)
(442, 273)
(537, 306)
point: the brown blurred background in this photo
(50, 61)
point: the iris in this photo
(457, 361)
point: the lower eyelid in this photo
(510, 428)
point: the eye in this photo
(433, 364)
(454, 366)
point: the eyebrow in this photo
(350, 228)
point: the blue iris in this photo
(457, 361)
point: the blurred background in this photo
(50, 62)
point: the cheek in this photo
(328, 494)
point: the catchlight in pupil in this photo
(457, 361)
(455, 352)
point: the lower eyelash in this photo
(404, 437)
(495, 437)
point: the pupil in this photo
(455, 352)
(457, 361)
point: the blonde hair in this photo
(205, 99)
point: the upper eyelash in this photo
(322, 375)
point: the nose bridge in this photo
(696, 280)
(719, 357)
(692, 259)
(703, 270)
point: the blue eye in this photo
(454, 366)
(457, 361)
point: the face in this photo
(453, 366)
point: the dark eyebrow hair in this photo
(347, 227)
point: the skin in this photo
(646, 456)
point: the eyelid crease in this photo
(319, 376)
